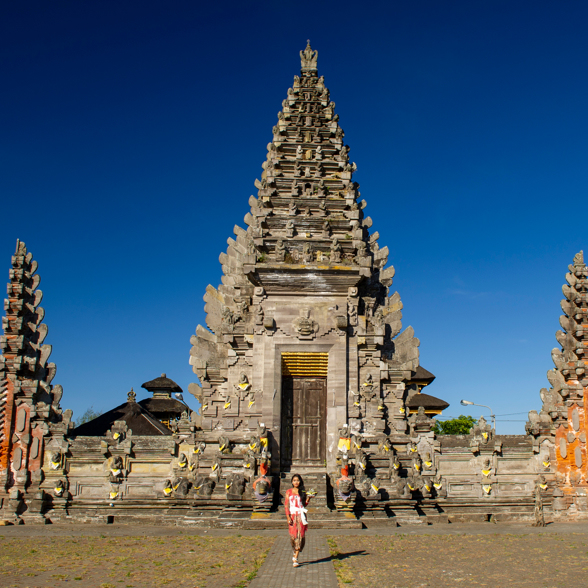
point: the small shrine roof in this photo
(160, 405)
(137, 418)
(161, 383)
(422, 375)
(428, 401)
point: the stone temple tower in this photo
(304, 334)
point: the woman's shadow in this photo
(336, 557)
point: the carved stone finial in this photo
(579, 258)
(308, 58)
(131, 396)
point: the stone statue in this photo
(242, 386)
(344, 444)
(290, 230)
(182, 461)
(538, 511)
(321, 191)
(262, 489)
(307, 253)
(259, 313)
(385, 446)
(335, 251)
(253, 396)
(55, 460)
(254, 444)
(486, 468)
(292, 209)
(280, 250)
(378, 318)
(116, 473)
(352, 312)
(235, 486)
(411, 448)
(299, 152)
(344, 486)
(427, 460)
(194, 462)
(181, 486)
(59, 488)
(217, 468)
(250, 463)
(361, 252)
(356, 442)
(393, 466)
(204, 486)
(262, 435)
(360, 464)
(326, 234)
(224, 445)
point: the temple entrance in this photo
(304, 411)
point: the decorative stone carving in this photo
(420, 422)
(304, 326)
(482, 431)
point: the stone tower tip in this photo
(308, 58)
(20, 247)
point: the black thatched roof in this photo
(161, 383)
(422, 375)
(163, 405)
(137, 418)
(428, 401)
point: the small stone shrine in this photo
(303, 367)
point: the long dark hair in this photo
(301, 490)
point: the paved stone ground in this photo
(539, 560)
(439, 556)
(316, 569)
(130, 561)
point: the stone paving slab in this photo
(316, 569)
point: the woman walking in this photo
(296, 501)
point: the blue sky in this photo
(131, 134)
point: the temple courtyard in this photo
(109, 556)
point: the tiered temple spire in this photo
(561, 427)
(306, 231)
(29, 404)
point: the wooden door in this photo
(304, 410)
